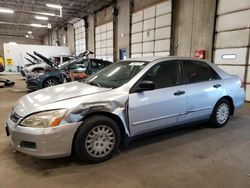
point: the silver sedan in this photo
(124, 100)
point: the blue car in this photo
(76, 69)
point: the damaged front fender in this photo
(111, 107)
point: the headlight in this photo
(44, 119)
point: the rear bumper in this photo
(239, 98)
(42, 142)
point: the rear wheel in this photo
(51, 82)
(97, 140)
(221, 113)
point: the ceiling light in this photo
(41, 17)
(47, 14)
(54, 6)
(37, 25)
(4, 10)
(229, 56)
(30, 32)
(27, 36)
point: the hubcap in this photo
(100, 141)
(50, 83)
(222, 113)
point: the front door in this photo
(161, 107)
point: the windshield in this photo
(116, 74)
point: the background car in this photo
(40, 65)
(37, 64)
(80, 68)
(61, 59)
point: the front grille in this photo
(14, 116)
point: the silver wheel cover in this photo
(222, 113)
(50, 83)
(100, 141)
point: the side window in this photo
(57, 60)
(107, 63)
(79, 66)
(197, 71)
(65, 59)
(166, 74)
(97, 66)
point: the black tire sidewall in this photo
(213, 119)
(86, 127)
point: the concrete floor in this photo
(191, 157)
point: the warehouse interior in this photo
(34, 32)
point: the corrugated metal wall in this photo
(232, 39)
(151, 30)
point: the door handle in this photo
(216, 86)
(178, 93)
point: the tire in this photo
(97, 139)
(221, 113)
(50, 82)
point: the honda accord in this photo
(124, 100)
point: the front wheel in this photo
(221, 113)
(51, 82)
(98, 139)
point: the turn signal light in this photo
(56, 122)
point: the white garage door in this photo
(80, 37)
(104, 42)
(232, 39)
(151, 30)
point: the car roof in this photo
(64, 56)
(101, 60)
(154, 58)
(148, 58)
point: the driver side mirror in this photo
(145, 85)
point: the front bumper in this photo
(24, 73)
(51, 142)
(33, 84)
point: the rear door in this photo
(203, 90)
(161, 107)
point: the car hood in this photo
(35, 101)
(46, 60)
